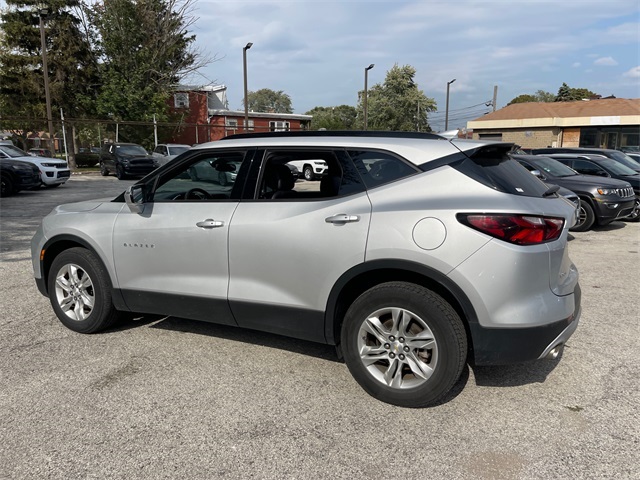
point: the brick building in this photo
(204, 116)
(602, 123)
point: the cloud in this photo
(633, 73)
(605, 62)
(576, 64)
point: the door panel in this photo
(286, 257)
(163, 254)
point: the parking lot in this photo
(171, 398)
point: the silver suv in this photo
(413, 254)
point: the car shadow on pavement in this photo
(515, 375)
(271, 340)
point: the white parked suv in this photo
(53, 171)
(413, 255)
(312, 169)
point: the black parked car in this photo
(616, 155)
(125, 160)
(602, 200)
(604, 167)
(16, 175)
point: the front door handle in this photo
(210, 223)
(342, 218)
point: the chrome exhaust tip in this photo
(555, 352)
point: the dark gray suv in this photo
(412, 254)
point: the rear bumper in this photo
(501, 346)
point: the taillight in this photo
(518, 229)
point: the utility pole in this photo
(41, 14)
(495, 96)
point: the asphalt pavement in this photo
(171, 398)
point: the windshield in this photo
(177, 150)
(626, 160)
(131, 150)
(616, 167)
(12, 151)
(553, 167)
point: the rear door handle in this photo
(342, 218)
(210, 223)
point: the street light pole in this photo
(446, 115)
(364, 99)
(246, 92)
(41, 14)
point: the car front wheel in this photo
(634, 216)
(586, 218)
(308, 173)
(404, 344)
(80, 291)
(120, 173)
(103, 169)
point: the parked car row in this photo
(19, 170)
(607, 182)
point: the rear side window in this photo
(378, 168)
(500, 172)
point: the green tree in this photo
(144, 49)
(342, 117)
(539, 96)
(397, 104)
(568, 94)
(267, 100)
(71, 66)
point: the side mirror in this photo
(537, 173)
(134, 197)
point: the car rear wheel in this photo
(6, 186)
(80, 292)
(308, 173)
(404, 344)
(586, 218)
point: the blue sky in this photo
(316, 51)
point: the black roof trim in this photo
(338, 133)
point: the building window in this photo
(278, 126)
(250, 125)
(231, 122)
(181, 100)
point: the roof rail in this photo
(338, 133)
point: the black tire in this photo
(405, 349)
(586, 217)
(84, 287)
(103, 170)
(222, 179)
(7, 186)
(120, 175)
(634, 216)
(308, 174)
(53, 185)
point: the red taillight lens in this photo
(518, 229)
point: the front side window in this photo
(588, 168)
(378, 168)
(211, 176)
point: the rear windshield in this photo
(500, 172)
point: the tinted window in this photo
(377, 168)
(588, 168)
(500, 172)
